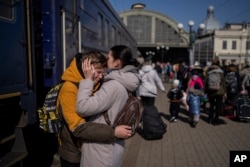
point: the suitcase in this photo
(243, 108)
(227, 110)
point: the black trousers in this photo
(216, 103)
(147, 101)
(174, 109)
(65, 163)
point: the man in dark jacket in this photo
(215, 97)
(233, 84)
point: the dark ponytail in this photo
(123, 53)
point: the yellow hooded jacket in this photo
(76, 129)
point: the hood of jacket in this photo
(146, 68)
(232, 68)
(128, 76)
(71, 73)
(218, 70)
(214, 68)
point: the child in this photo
(175, 95)
(194, 93)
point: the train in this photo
(38, 39)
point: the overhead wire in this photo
(222, 4)
(243, 12)
(218, 8)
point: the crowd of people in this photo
(94, 83)
(194, 86)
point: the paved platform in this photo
(183, 146)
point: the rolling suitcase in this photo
(243, 108)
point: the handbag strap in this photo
(105, 113)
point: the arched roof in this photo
(151, 28)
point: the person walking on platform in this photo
(233, 85)
(158, 68)
(150, 82)
(166, 71)
(215, 88)
(194, 94)
(175, 95)
(152, 125)
(246, 84)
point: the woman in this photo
(111, 97)
(150, 82)
(75, 128)
(152, 125)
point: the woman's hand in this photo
(88, 69)
(123, 131)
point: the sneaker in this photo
(172, 119)
(175, 120)
(194, 124)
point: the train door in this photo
(13, 73)
(15, 79)
(70, 32)
(59, 38)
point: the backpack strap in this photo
(106, 117)
(105, 113)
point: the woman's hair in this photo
(97, 59)
(216, 62)
(123, 53)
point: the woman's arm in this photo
(96, 132)
(88, 104)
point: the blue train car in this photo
(38, 39)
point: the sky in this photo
(182, 11)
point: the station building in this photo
(156, 34)
(160, 36)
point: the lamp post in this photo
(191, 41)
(150, 53)
(162, 48)
(192, 36)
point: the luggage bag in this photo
(153, 127)
(243, 108)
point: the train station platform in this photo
(206, 145)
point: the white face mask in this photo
(194, 77)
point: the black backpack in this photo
(231, 82)
(51, 120)
(48, 118)
(130, 114)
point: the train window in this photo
(6, 9)
(100, 29)
(106, 33)
(82, 4)
(70, 15)
(113, 31)
(119, 38)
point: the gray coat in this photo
(150, 82)
(222, 89)
(110, 97)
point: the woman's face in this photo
(99, 73)
(112, 63)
